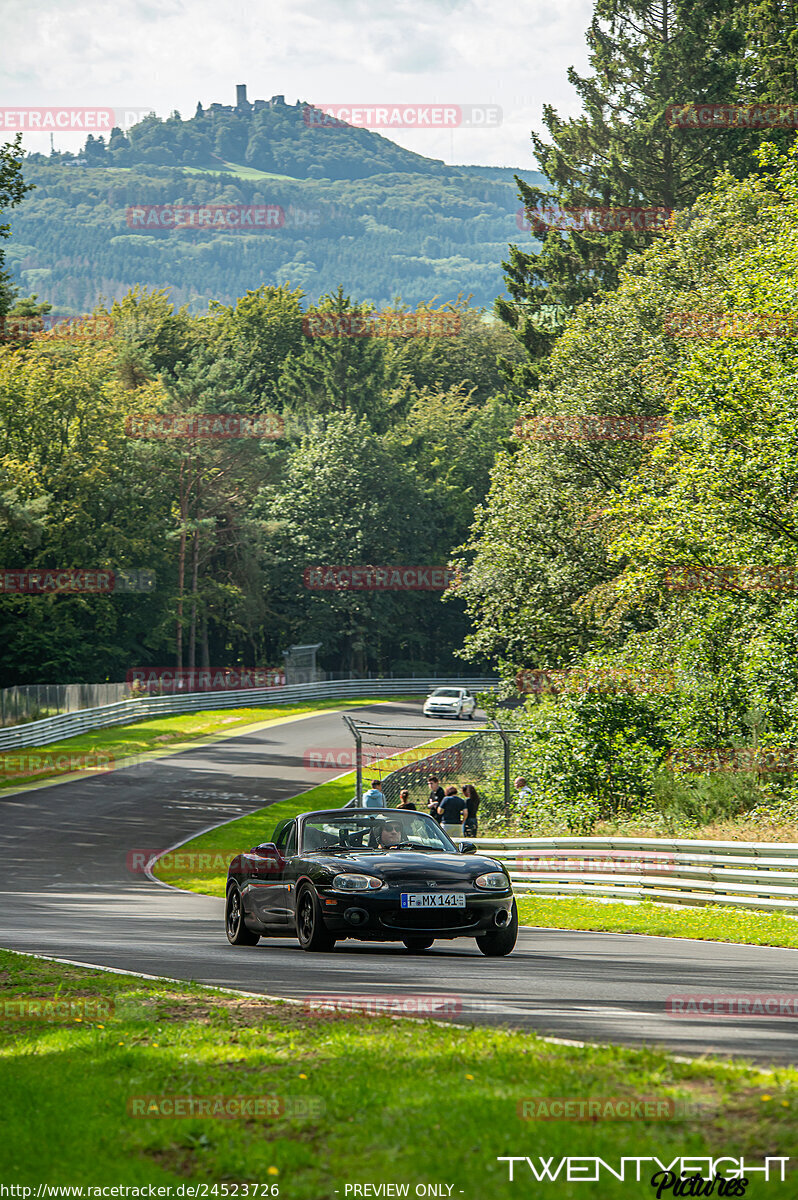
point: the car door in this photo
(469, 703)
(267, 877)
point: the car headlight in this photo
(493, 881)
(356, 883)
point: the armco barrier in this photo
(66, 725)
(758, 875)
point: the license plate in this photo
(433, 900)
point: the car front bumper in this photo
(381, 918)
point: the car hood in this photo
(408, 866)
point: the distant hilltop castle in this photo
(242, 106)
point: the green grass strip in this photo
(153, 734)
(707, 923)
(344, 1098)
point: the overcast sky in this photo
(168, 54)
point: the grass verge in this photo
(200, 865)
(19, 767)
(357, 1099)
(710, 923)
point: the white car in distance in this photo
(450, 702)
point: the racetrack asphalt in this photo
(66, 890)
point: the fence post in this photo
(506, 746)
(358, 759)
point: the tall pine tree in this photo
(646, 55)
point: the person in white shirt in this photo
(524, 791)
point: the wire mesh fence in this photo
(477, 759)
(394, 757)
(36, 701)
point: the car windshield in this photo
(453, 692)
(373, 831)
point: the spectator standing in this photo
(453, 810)
(524, 792)
(436, 794)
(472, 797)
(404, 800)
(374, 797)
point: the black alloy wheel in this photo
(500, 941)
(310, 927)
(235, 927)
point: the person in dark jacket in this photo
(404, 800)
(472, 796)
(453, 809)
(435, 796)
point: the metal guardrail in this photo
(66, 725)
(754, 875)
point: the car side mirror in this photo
(466, 847)
(266, 850)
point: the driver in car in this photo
(389, 836)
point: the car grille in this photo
(428, 918)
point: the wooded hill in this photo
(358, 209)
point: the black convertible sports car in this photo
(371, 874)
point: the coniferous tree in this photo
(12, 190)
(623, 150)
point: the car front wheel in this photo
(236, 929)
(310, 928)
(499, 942)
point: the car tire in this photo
(471, 714)
(416, 944)
(310, 928)
(235, 927)
(502, 941)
